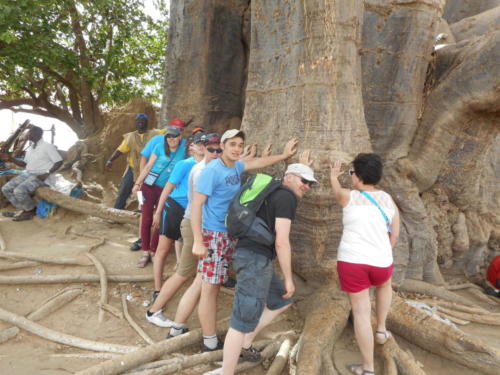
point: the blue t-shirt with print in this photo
(153, 142)
(220, 184)
(164, 165)
(180, 178)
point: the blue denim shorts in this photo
(257, 285)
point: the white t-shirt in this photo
(192, 179)
(365, 239)
(41, 158)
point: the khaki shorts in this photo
(189, 262)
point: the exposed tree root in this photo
(397, 361)
(182, 362)
(149, 353)
(48, 307)
(325, 320)
(292, 359)
(86, 355)
(133, 324)
(36, 258)
(112, 310)
(69, 230)
(452, 319)
(87, 208)
(491, 319)
(87, 278)
(17, 265)
(483, 297)
(281, 358)
(62, 338)
(421, 287)
(463, 286)
(103, 300)
(442, 339)
(456, 306)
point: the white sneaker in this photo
(159, 319)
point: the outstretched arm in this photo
(257, 163)
(341, 195)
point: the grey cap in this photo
(174, 130)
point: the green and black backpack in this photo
(241, 218)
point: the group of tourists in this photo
(185, 188)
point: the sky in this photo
(64, 137)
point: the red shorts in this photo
(357, 277)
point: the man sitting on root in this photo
(40, 161)
(260, 295)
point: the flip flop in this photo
(356, 367)
(143, 261)
(382, 341)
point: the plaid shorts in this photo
(214, 267)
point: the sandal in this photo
(357, 369)
(382, 341)
(143, 261)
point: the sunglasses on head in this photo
(172, 135)
(213, 149)
(306, 182)
(351, 172)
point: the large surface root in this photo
(326, 318)
(87, 278)
(421, 287)
(442, 339)
(87, 208)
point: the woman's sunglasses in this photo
(351, 172)
(212, 149)
(172, 135)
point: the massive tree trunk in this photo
(348, 76)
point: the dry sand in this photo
(29, 354)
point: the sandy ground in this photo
(30, 354)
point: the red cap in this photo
(177, 122)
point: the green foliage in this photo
(41, 54)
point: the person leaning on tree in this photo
(371, 228)
(260, 295)
(218, 182)
(41, 160)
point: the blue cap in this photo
(141, 115)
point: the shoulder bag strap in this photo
(371, 199)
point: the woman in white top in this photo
(371, 228)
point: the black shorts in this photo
(171, 218)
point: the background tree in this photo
(71, 59)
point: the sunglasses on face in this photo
(172, 135)
(351, 172)
(212, 149)
(306, 182)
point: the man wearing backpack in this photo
(260, 295)
(218, 182)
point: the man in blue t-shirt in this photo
(217, 184)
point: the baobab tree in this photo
(360, 76)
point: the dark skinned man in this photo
(40, 161)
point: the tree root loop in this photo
(133, 324)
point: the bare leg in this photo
(162, 250)
(207, 309)
(178, 251)
(361, 310)
(188, 301)
(232, 350)
(265, 319)
(168, 290)
(383, 298)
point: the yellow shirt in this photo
(125, 148)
